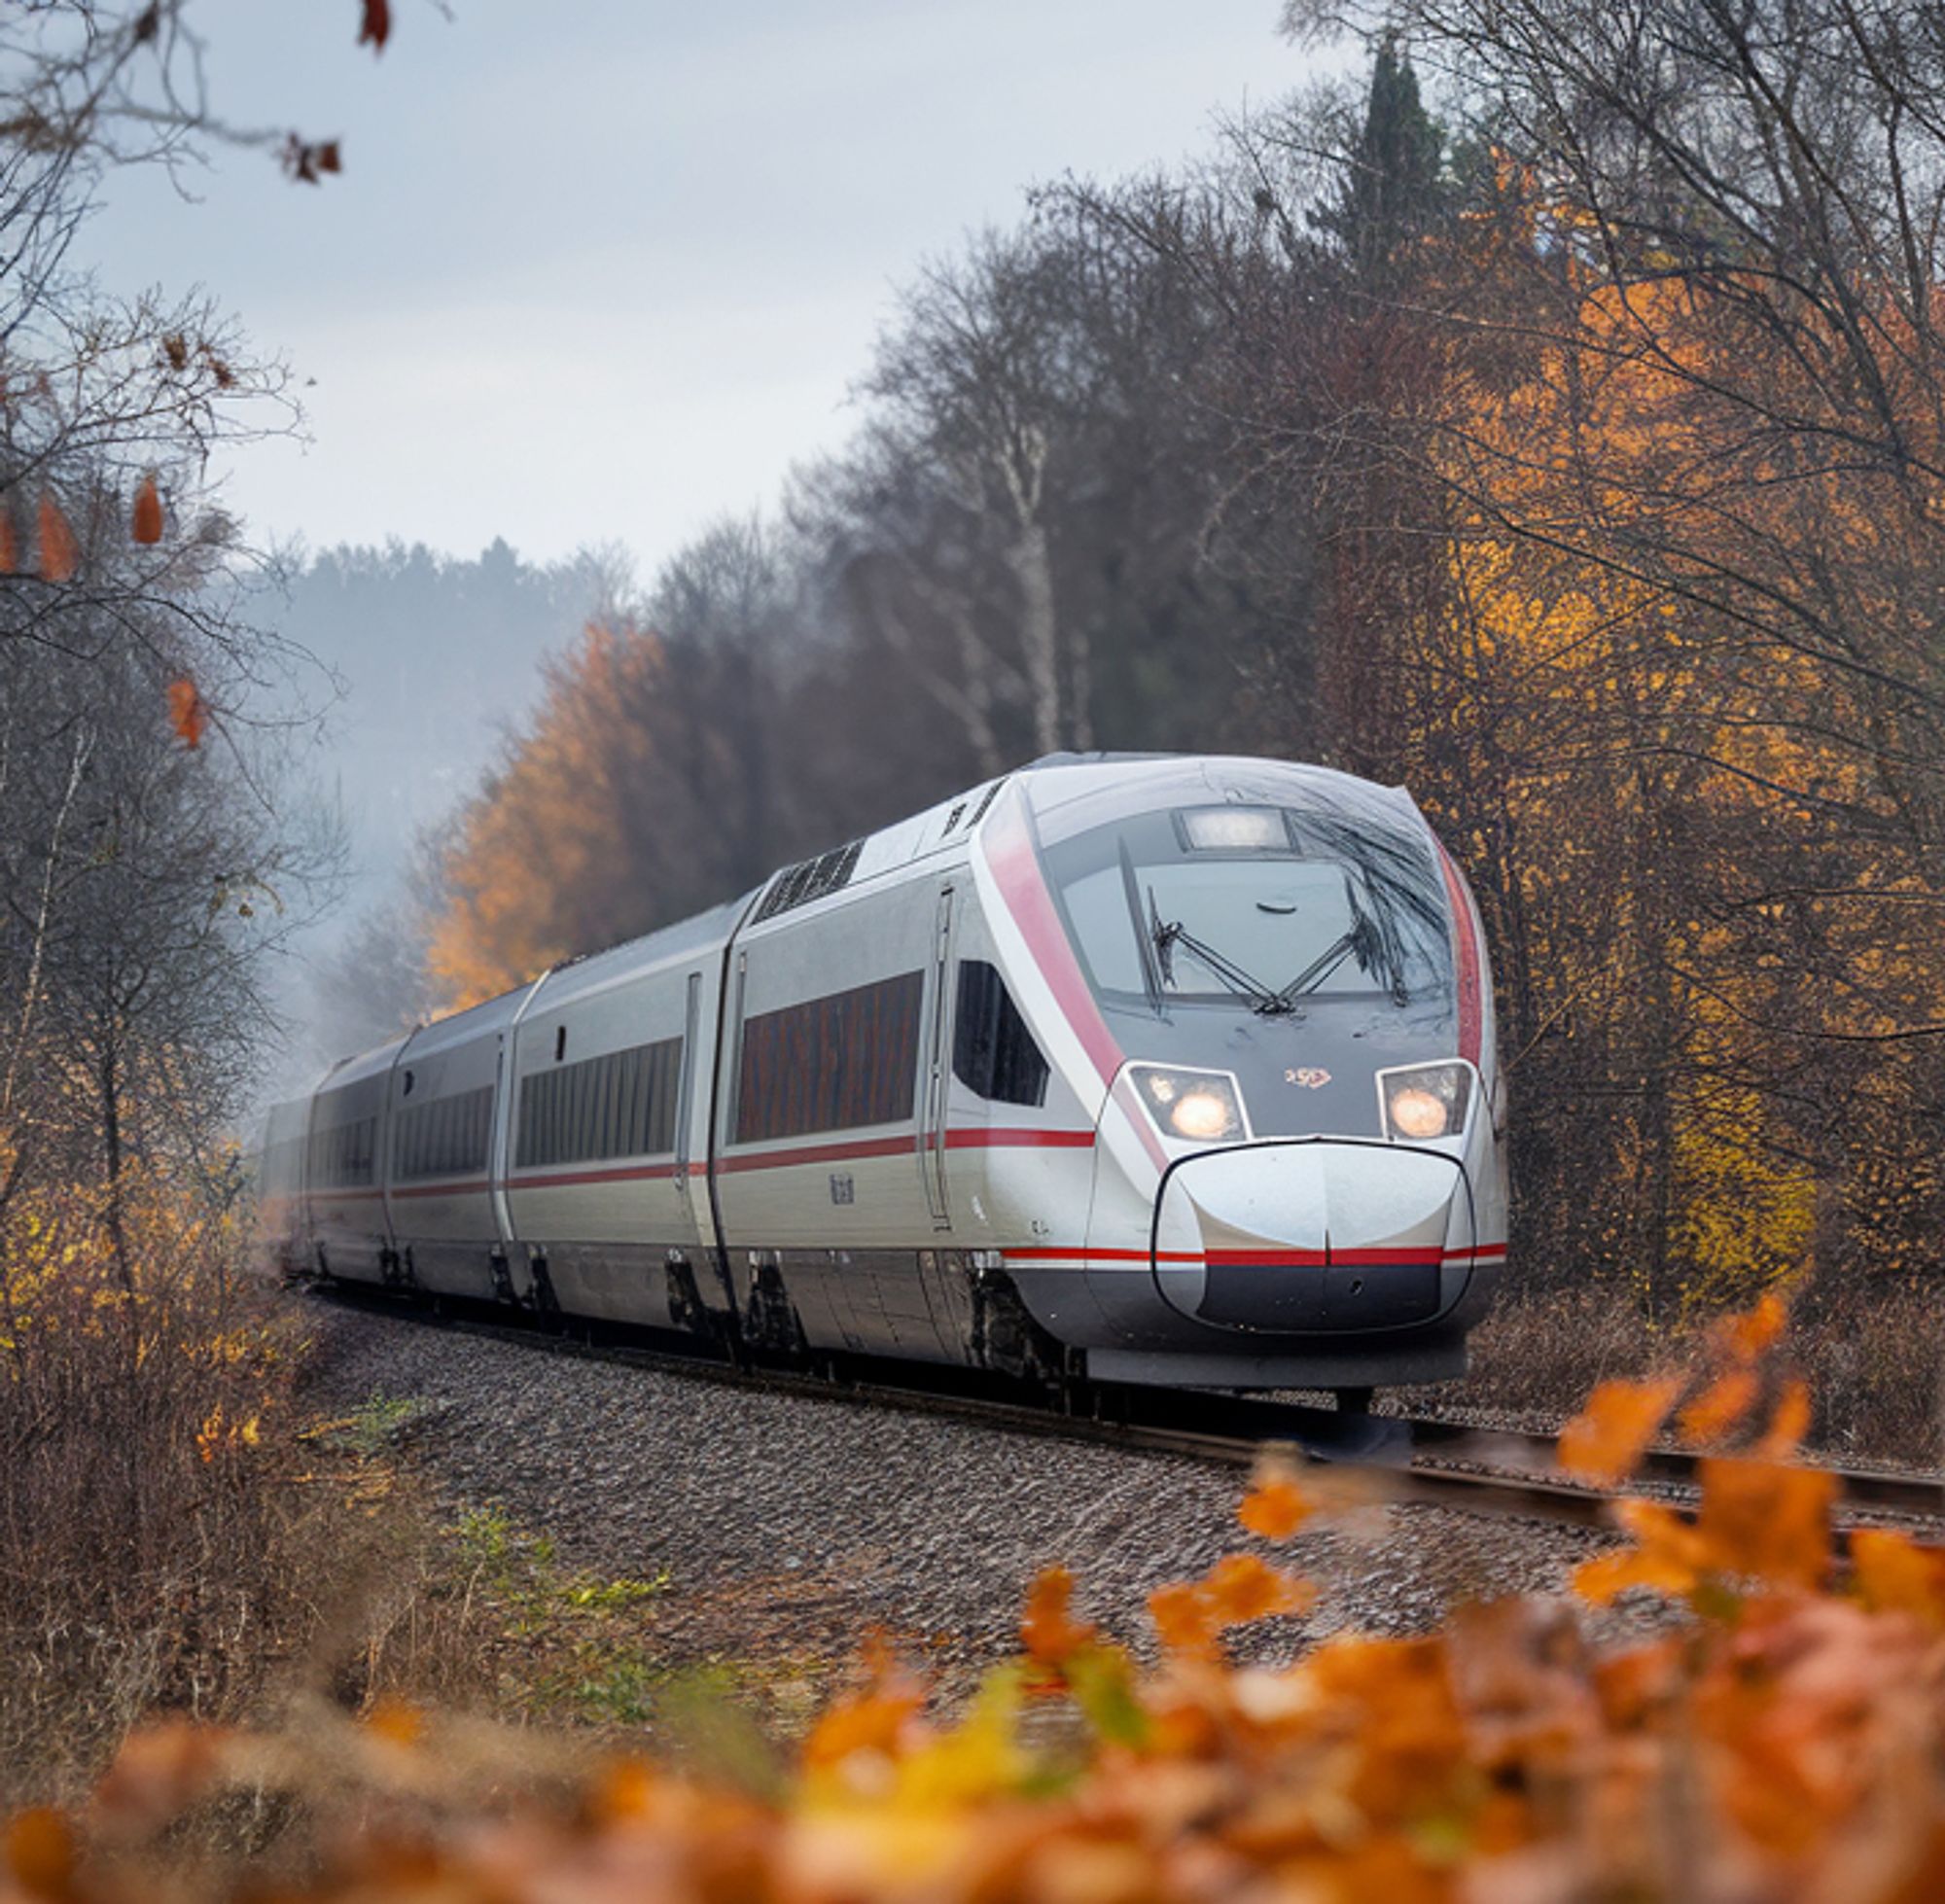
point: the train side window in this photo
(993, 1052)
(829, 1063)
(443, 1137)
(618, 1104)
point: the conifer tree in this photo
(1392, 188)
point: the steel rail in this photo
(1507, 1473)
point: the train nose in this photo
(1312, 1235)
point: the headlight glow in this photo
(1201, 1106)
(1426, 1101)
(1419, 1114)
(1202, 1114)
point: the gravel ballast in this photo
(792, 1524)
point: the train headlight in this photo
(1426, 1101)
(1201, 1106)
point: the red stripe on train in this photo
(1270, 1258)
(1007, 841)
(1472, 986)
(620, 1173)
(970, 1138)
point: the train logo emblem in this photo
(1310, 1076)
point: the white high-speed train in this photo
(1151, 1069)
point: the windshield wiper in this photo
(1364, 940)
(1153, 971)
(1165, 937)
(1319, 968)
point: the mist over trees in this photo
(429, 657)
(1552, 422)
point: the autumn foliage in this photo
(1777, 1737)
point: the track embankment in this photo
(792, 1524)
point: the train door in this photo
(701, 1227)
(933, 1151)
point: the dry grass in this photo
(172, 1538)
(1874, 1356)
(1539, 1355)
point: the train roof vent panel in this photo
(812, 879)
(991, 795)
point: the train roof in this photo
(670, 945)
(361, 1065)
(462, 1026)
(1072, 793)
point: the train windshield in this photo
(1254, 907)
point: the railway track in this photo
(1504, 1473)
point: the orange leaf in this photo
(188, 715)
(1274, 1508)
(9, 548)
(59, 554)
(39, 1852)
(1181, 1618)
(1605, 1439)
(1241, 1587)
(1720, 1405)
(1669, 1557)
(1747, 1335)
(624, 1789)
(1894, 1573)
(1046, 1629)
(159, 1771)
(148, 525)
(1788, 1425)
(377, 25)
(397, 1721)
(881, 1718)
(1769, 1521)
(1635, 1686)
(874, 1722)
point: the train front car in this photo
(1270, 979)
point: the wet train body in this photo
(1171, 1070)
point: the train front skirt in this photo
(1329, 1262)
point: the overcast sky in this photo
(598, 271)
